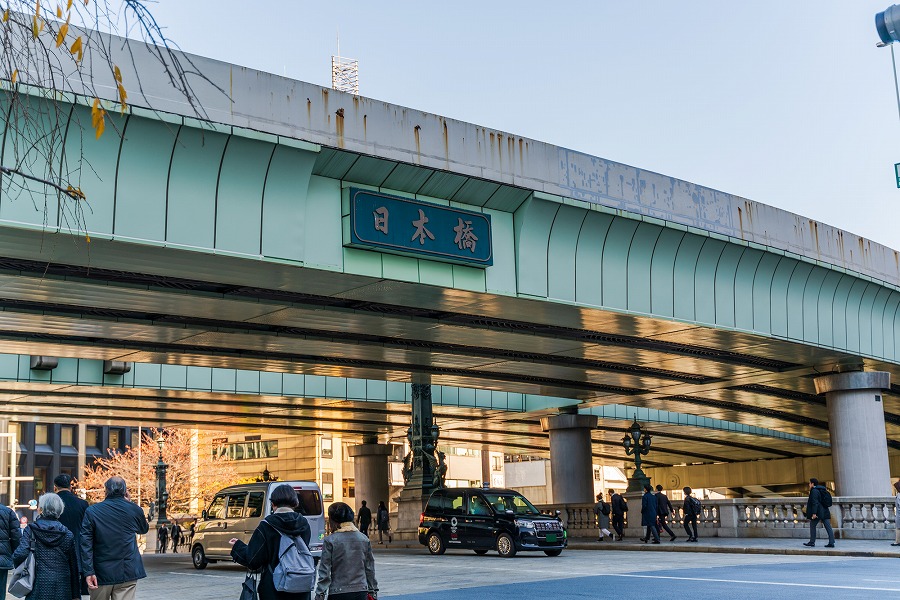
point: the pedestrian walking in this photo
(364, 519)
(649, 513)
(262, 553)
(177, 536)
(10, 534)
(110, 557)
(817, 511)
(896, 514)
(619, 508)
(691, 508)
(55, 555)
(191, 532)
(162, 539)
(71, 517)
(602, 510)
(347, 568)
(383, 521)
(665, 509)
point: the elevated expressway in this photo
(217, 252)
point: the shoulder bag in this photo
(248, 590)
(21, 581)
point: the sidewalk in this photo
(792, 546)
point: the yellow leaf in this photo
(101, 125)
(61, 35)
(15, 75)
(117, 73)
(6, 15)
(76, 47)
(59, 11)
(88, 238)
(69, 5)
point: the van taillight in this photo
(422, 518)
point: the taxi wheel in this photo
(481, 551)
(552, 552)
(506, 546)
(435, 543)
(198, 557)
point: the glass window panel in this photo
(255, 504)
(42, 434)
(67, 435)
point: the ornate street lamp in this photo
(162, 496)
(637, 443)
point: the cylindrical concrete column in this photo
(856, 425)
(371, 473)
(571, 462)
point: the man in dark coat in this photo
(162, 539)
(72, 517)
(816, 512)
(262, 551)
(690, 515)
(619, 508)
(364, 518)
(664, 508)
(109, 552)
(649, 512)
(10, 534)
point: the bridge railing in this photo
(851, 518)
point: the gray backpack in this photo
(296, 570)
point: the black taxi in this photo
(483, 519)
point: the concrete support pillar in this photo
(856, 425)
(571, 458)
(371, 472)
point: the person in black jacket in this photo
(690, 515)
(10, 534)
(649, 512)
(109, 552)
(664, 507)
(364, 519)
(619, 508)
(816, 512)
(72, 517)
(55, 556)
(262, 551)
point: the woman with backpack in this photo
(383, 518)
(262, 553)
(347, 567)
(602, 510)
(55, 562)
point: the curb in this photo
(639, 547)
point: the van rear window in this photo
(310, 502)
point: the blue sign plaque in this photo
(420, 229)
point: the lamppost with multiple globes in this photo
(637, 443)
(162, 496)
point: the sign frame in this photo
(376, 220)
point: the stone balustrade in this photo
(851, 518)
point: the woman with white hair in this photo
(55, 558)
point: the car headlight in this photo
(523, 524)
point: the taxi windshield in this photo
(511, 502)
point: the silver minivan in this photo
(236, 511)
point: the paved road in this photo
(412, 574)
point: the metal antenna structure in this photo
(344, 73)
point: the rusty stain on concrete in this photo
(339, 126)
(416, 130)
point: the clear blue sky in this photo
(785, 102)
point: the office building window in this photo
(40, 481)
(349, 488)
(328, 486)
(115, 435)
(67, 435)
(91, 437)
(326, 447)
(246, 450)
(134, 438)
(42, 434)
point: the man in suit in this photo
(664, 505)
(72, 516)
(619, 508)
